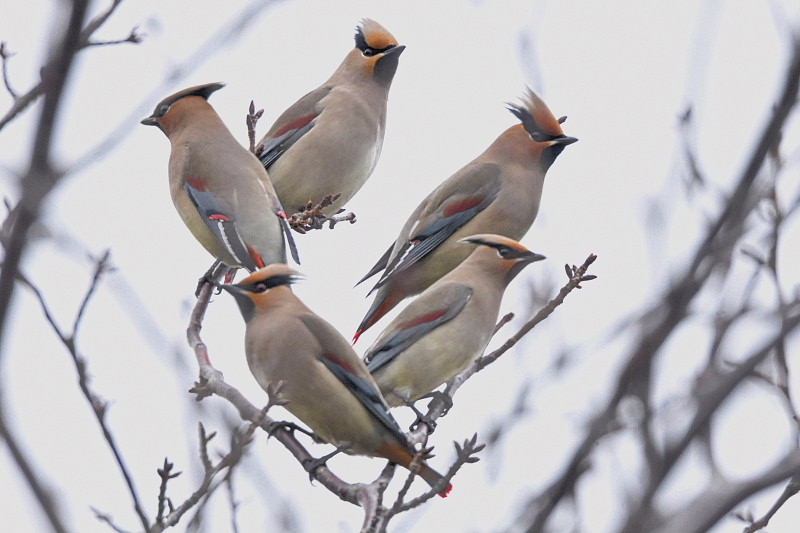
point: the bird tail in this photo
(434, 479)
(404, 454)
(383, 303)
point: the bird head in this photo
(376, 51)
(542, 126)
(252, 292)
(499, 251)
(165, 105)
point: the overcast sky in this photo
(622, 71)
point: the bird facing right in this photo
(498, 192)
(449, 325)
(329, 141)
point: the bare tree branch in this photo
(37, 183)
(791, 489)
(43, 495)
(440, 403)
(98, 405)
(662, 320)
(232, 29)
(21, 102)
(211, 382)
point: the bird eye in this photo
(163, 110)
(503, 251)
(260, 287)
(369, 52)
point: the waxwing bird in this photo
(449, 325)
(219, 188)
(498, 192)
(329, 141)
(326, 384)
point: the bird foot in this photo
(446, 400)
(290, 426)
(421, 419)
(311, 465)
(208, 277)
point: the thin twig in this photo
(438, 406)
(165, 473)
(238, 445)
(97, 404)
(231, 29)
(212, 382)
(107, 519)
(4, 56)
(43, 495)
(791, 489)
(79, 41)
(251, 120)
(133, 37)
(102, 266)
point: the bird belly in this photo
(327, 166)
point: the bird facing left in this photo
(326, 385)
(220, 190)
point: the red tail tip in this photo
(446, 491)
(357, 335)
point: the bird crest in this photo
(506, 248)
(372, 37)
(271, 276)
(204, 91)
(536, 118)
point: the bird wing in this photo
(222, 224)
(446, 210)
(380, 265)
(291, 126)
(425, 314)
(287, 233)
(342, 361)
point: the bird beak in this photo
(395, 50)
(245, 303)
(563, 141)
(150, 121)
(532, 257)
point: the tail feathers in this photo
(403, 456)
(383, 303)
(435, 480)
(380, 265)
